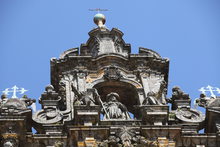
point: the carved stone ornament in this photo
(58, 144)
(10, 140)
(127, 137)
(49, 94)
(112, 73)
(177, 94)
(48, 116)
(189, 115)
(124, 137)
(204, 101)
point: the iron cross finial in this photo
(98, 9)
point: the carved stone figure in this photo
(151, 99)
(179, 98)
(179, 94)
(28, 101)
(203, 100)
(3, 99)
(62, 88)
(84, 98)
(113, 109)
(162, 92)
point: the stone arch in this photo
(129, 91)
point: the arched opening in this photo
(127, 93)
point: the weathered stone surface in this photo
(101, 95)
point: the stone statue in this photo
(113, 109)
(177, 93)
(162, 92)
(84, 98)
(203, 100)
(28, 101)
(151, 99)
(3, 99)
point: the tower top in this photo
(99, 19)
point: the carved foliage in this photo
(128, 137)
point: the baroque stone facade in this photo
(102, 95)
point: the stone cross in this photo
(210, 89)
(14, 90)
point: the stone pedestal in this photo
(180, 103)
(189, 129)
(86, 115)
(86, 135)
(56, 129)
(154, 114)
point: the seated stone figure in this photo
(151, 99)
(113, 109)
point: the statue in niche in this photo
(113, 109)
(84, 98)
(151, 99)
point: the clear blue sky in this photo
(185, 31)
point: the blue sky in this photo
(185, 31)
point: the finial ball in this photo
(99, 17)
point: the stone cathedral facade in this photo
(102, 95)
